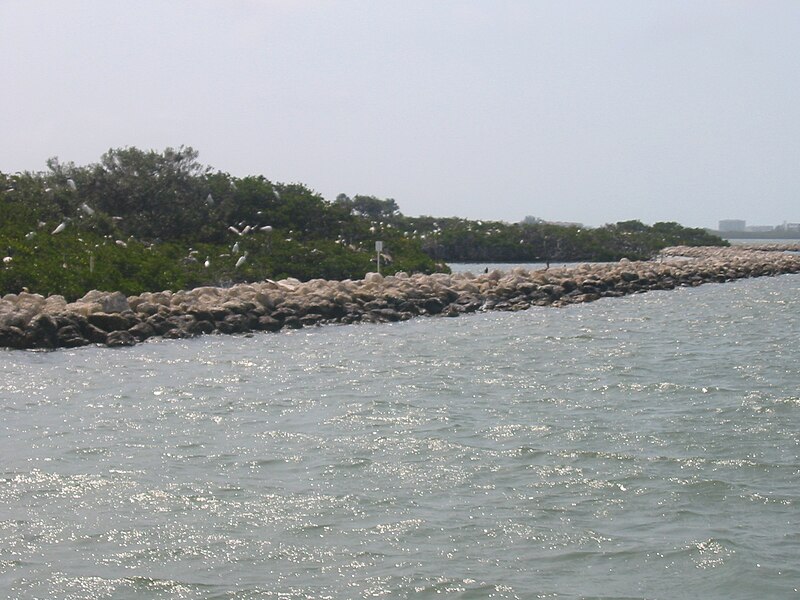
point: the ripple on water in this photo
(648, 443)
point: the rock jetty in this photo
(30, 321)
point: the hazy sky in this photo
(589, 111)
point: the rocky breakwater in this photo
(33, 321)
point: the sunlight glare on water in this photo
(641, 447)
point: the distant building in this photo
(760, 228)
(732, 225)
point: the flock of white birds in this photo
(88, 211)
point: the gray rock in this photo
(109, 322)
(70, 336)
(12, 337)
(267, 323)
(142, 331)
(120, 338)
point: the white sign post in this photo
(378, 249)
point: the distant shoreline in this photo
(774, 236)
(31, 321)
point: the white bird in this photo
(7, 260)
(234, 230)
(241, 260)
(210, 200)
(246, 230)
(88, 210)
(235, 248)
(71, 185)
(121, 244)
(267, 228)
(61, 227)
(30, 235)
(207, 263)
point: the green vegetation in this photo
(145, 221)
(533, 240)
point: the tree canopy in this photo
(145, 220)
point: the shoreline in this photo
(31, 321)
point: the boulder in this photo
(70, 336)
(12, 337)
(109, 321)
(120, 338)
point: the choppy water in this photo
(639, 447)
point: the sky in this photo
(567, 110)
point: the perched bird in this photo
(61, 227)
(7, 260)
(88, 210)
(267, 228)
(234, 230)
(71, 185)
(210, 200)
(121, 244)
(235, 248)
(207, 263)
(241, 260)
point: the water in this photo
(746, 241)
(638, 447)
(478, 268)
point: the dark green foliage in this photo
(146, 221)
(369, 207)
(143, 221)
(460, 240)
